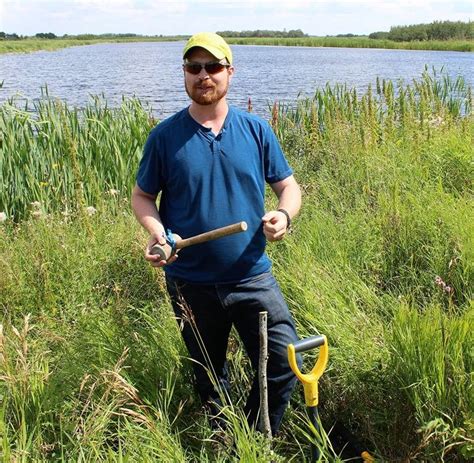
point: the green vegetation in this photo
(439, 35)
(68, 157)
(46, 35)
(357, 42)
(437, 30)
(380, 260)
(35, 44)
(29, 45)
(263, 33)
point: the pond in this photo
(152, 71)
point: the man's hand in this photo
(157, 238)
(274, 225)
(144, 208)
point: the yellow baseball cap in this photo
(211, 42)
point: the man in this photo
(210, 162)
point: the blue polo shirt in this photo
(208, 181)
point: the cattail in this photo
(275, 115)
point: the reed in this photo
(30, 45)
(356, 42)
(69, 157)
(380, 260)
(33, 44)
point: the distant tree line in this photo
(40, 35)
(46, 35)
(345, 35)
(51, 36)
(263, 33)
(437, 30)
(6, 36)
(99, 36)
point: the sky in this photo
(182, 17)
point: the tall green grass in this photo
(30, 45)
(34, 44)
(380, 260)
(356, 42)
(26, 46)
(65, 158)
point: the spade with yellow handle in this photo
(310, 383)
(310, 380)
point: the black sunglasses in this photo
(212, 67)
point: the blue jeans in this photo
(206, 314)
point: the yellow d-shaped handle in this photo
(310, 380)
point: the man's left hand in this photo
(274, 225)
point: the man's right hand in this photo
(144, 208)
(157, 238)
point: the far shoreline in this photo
(32, 45)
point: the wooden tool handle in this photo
(212, 235)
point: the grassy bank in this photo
(357, 42)
(30, 45)
(380, 260)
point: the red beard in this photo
(206, 93)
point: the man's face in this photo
(205, 88)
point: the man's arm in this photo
(275, 223)
(144, 208)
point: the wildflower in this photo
(113, 192)
(436, 121)
(91, 210)
(444, 287)
(37, 214)
(43, 184)
(36, 205)
(3, 217)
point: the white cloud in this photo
(170, 17)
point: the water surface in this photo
(152, 71)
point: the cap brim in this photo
(212, 50)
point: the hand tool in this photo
(175, 242)
(310, 386)
(310, 380)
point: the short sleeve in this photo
(149, 169)
(275, 163)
